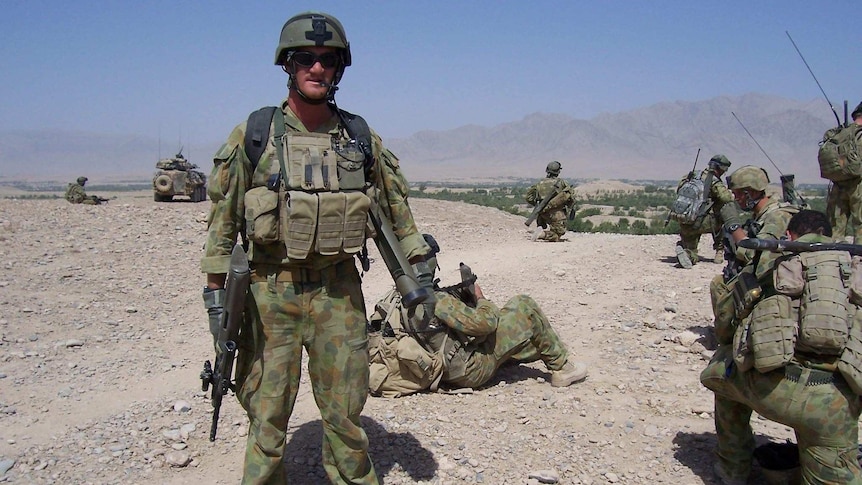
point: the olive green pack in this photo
(840, 156)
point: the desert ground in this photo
(103, 334)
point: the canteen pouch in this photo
(298, 216)
(772, 332)
(824, 314)
(850, 361)
(261, 215)
(341, 222)
(311, 162)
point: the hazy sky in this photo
(194, 69)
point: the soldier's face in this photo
(310, 70)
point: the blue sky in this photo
(192, 70)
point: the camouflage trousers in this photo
(824, 417)
(554, 222)
(523, 335)
(689, 235)
(327, 318)
(844, 209)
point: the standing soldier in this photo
(844, 203)
(303, 203)
(554, 215)
(709, 219)
(76, 194)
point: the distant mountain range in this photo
(655, 142)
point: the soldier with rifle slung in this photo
(307, 184)
(794, 355)
(554, 204)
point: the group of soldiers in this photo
(787, 319)
(299, 183)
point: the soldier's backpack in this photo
(840, 156)
(399, 365)
(691, 200)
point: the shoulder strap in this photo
(357, 128)
(257, 133)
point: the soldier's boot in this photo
(719, 256)
(683, 258)
(571, 373)
(724, 478)
(539, 233)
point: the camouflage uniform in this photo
(844, 202)
(807, 394)
(554, 216)
(315, 303)
(711, 222)
(519, 331)
(772, 223)
(76, 194)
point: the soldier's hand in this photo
(478, 291)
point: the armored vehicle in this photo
(178, 177)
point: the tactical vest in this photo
(314, 199)
(813, 310)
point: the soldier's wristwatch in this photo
(733, 228)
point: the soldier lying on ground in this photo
(473, 338)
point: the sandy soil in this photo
(103, 333)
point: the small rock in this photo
(545, 476)
(74, 343)
(178, 458)
(182, 406)
(6, 464)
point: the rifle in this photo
(784, 245)
(236, 287)
(788, 188)
(412, 294)
(466, 289)
(544, 203)
(692, 174)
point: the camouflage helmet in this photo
(749, 177)
(313, 29)
(82, 180)
(553, 168)
(857, 112)
(719, 161)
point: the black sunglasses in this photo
(307, 59)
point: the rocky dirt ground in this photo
(103, 333)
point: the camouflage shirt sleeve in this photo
(773, 226)
(392, 191)
(228, 182)
(475, 322)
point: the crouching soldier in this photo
(795, 357)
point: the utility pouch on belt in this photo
(746, 292)
(767, 339)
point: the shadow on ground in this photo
(697, 452)
(389, 451)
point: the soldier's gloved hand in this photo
(214, 303)
(425, 278)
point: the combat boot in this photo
(682, 257)
(571, 373)
(724, 478)
(719, 257)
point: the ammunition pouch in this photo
(766, 339)
(318, 206)
(746, 292)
